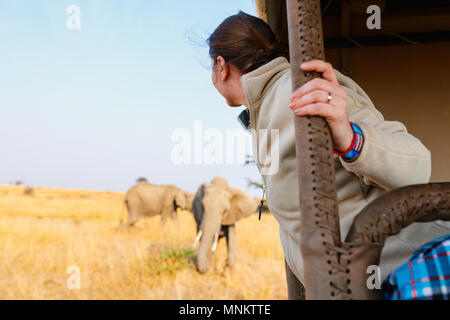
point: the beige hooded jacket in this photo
(391, 158)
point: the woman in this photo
(250, 68)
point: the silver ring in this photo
(330, 97)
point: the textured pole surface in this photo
(384, 217)
(334, 269)
(320, 236)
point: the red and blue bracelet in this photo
(356, 146)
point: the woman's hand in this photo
(312, 100)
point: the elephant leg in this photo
(132, 218)
(296, 290)
(166, 212)
(174, 216)
(130, 223)
(163, 220)
(230, 234)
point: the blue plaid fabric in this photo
(426, 275)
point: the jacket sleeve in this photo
(391, 157)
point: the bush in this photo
(168, 260)
(28, 191)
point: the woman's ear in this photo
(224, 68)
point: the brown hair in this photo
(245, 41)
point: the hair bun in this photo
(245, 41)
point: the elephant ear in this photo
(181, 200)
(241, 205)
(189, 199)
(171, 197)
(197, 205)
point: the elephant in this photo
(216, 208)
(146, 200)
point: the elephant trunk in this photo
(210, 227)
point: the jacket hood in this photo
(258, 82)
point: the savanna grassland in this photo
(44, 233)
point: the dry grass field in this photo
(43, 234)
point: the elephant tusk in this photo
(216, 239)
(197, 239)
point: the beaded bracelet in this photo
(356, 145)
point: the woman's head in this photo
(240, 44)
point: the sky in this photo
(97, 107)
